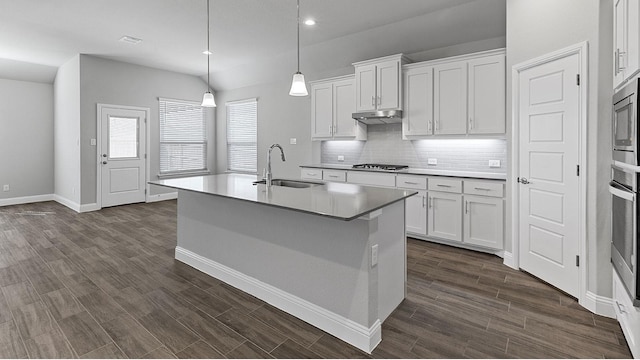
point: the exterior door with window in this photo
(122, 158)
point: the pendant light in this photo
(298, 86)
(207, 99)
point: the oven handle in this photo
(615, 189)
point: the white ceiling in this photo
(37, 36)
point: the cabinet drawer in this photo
(370, 178)
(411, 182)
(334, 175)
(628, 316)
(445, 185)
(485, 188)
(311, 173)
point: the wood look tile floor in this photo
(105, 285)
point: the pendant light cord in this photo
(298, 36)
(209, 48)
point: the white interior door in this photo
(549, 187)
(122, 156)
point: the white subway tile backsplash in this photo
(385, 145)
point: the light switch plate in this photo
(374, 255)
(93, 142)
(432, 161)
(494, 163)
(5, 187)
(293, 141)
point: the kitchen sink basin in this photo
(299, 184)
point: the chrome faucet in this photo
(269, 175)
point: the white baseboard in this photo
(360, 336)
(600, 305)
(75, 206)
(26, 199)
(89, 207)
(162, 197)
(509, 260)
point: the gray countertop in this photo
(336, 200)
(416, 171)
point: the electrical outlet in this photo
(374, 255)
(6, 187)
(293, 141)
(432, 161)
(93, 142)
(340, 157)
(494, 163)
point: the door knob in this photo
(104, 155)
(104, 163)
(523, 181)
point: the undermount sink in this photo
(299, 184)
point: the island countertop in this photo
(335, 200)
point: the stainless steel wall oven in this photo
(624, 220)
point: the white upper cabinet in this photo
(450, 98)
(332, 104)
(626, 40)
(463, 95)
(379, 84)
(418, 101)
(487, 95)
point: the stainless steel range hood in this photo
(379, 117)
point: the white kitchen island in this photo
(333, 255)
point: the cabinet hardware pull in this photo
(621, 55)
(424, 201)
(311, 174)
(470, 124)
(445, 186)
(485, 189)
(379, 100)
(333, 176)
(373, 101)
(466, 207)
(430, 202)
(411, 183)
(616, 61)
(330, 130)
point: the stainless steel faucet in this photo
(269, 175)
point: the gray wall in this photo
(66, 134)
(537, 27)
(117, 83)
(26, 138)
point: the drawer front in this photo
(411, 182)
(370, 178)
(334, 175)
(445, 185)
(311, 173)
(628, 316)
(484, 188)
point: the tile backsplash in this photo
(385, 145)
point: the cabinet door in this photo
(487, 95)
(366, 88)
(418, 102)
(633, 37)
(344, 104)
(416, 213)
(483, 221)
(445, 216)
(619, 40)
(450, 98)
(388, 85)
(321, 110)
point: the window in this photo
(242, 136)
(183, 137)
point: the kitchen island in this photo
(333, 255)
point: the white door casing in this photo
(121, 155)
(549, 120)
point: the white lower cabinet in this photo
(483, 221)
(311, 174)
(628, 316)
(416, 213)
(445, 216)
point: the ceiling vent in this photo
(130, 40)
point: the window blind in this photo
(183, 137)
(242, 136)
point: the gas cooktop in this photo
(385, 167)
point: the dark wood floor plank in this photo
(11, 345)
(330, 347)
(33, 320)
(199, 350)
(204, 301)
(248, 350)
(170, 332)
(174, 305)
(296, 329)
(61, 304)
(101, 306)
(51, 345)
(20, 294)
(292, 350)
(133, 339)
(109, 351)
(160, 353)
(11, 275)
(45, 282)
(217, 334)
(259, 333)
(84, 333)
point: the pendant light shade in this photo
(207, 98)
(298, 86)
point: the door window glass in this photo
(123, 137)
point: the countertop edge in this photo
(415, 171)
